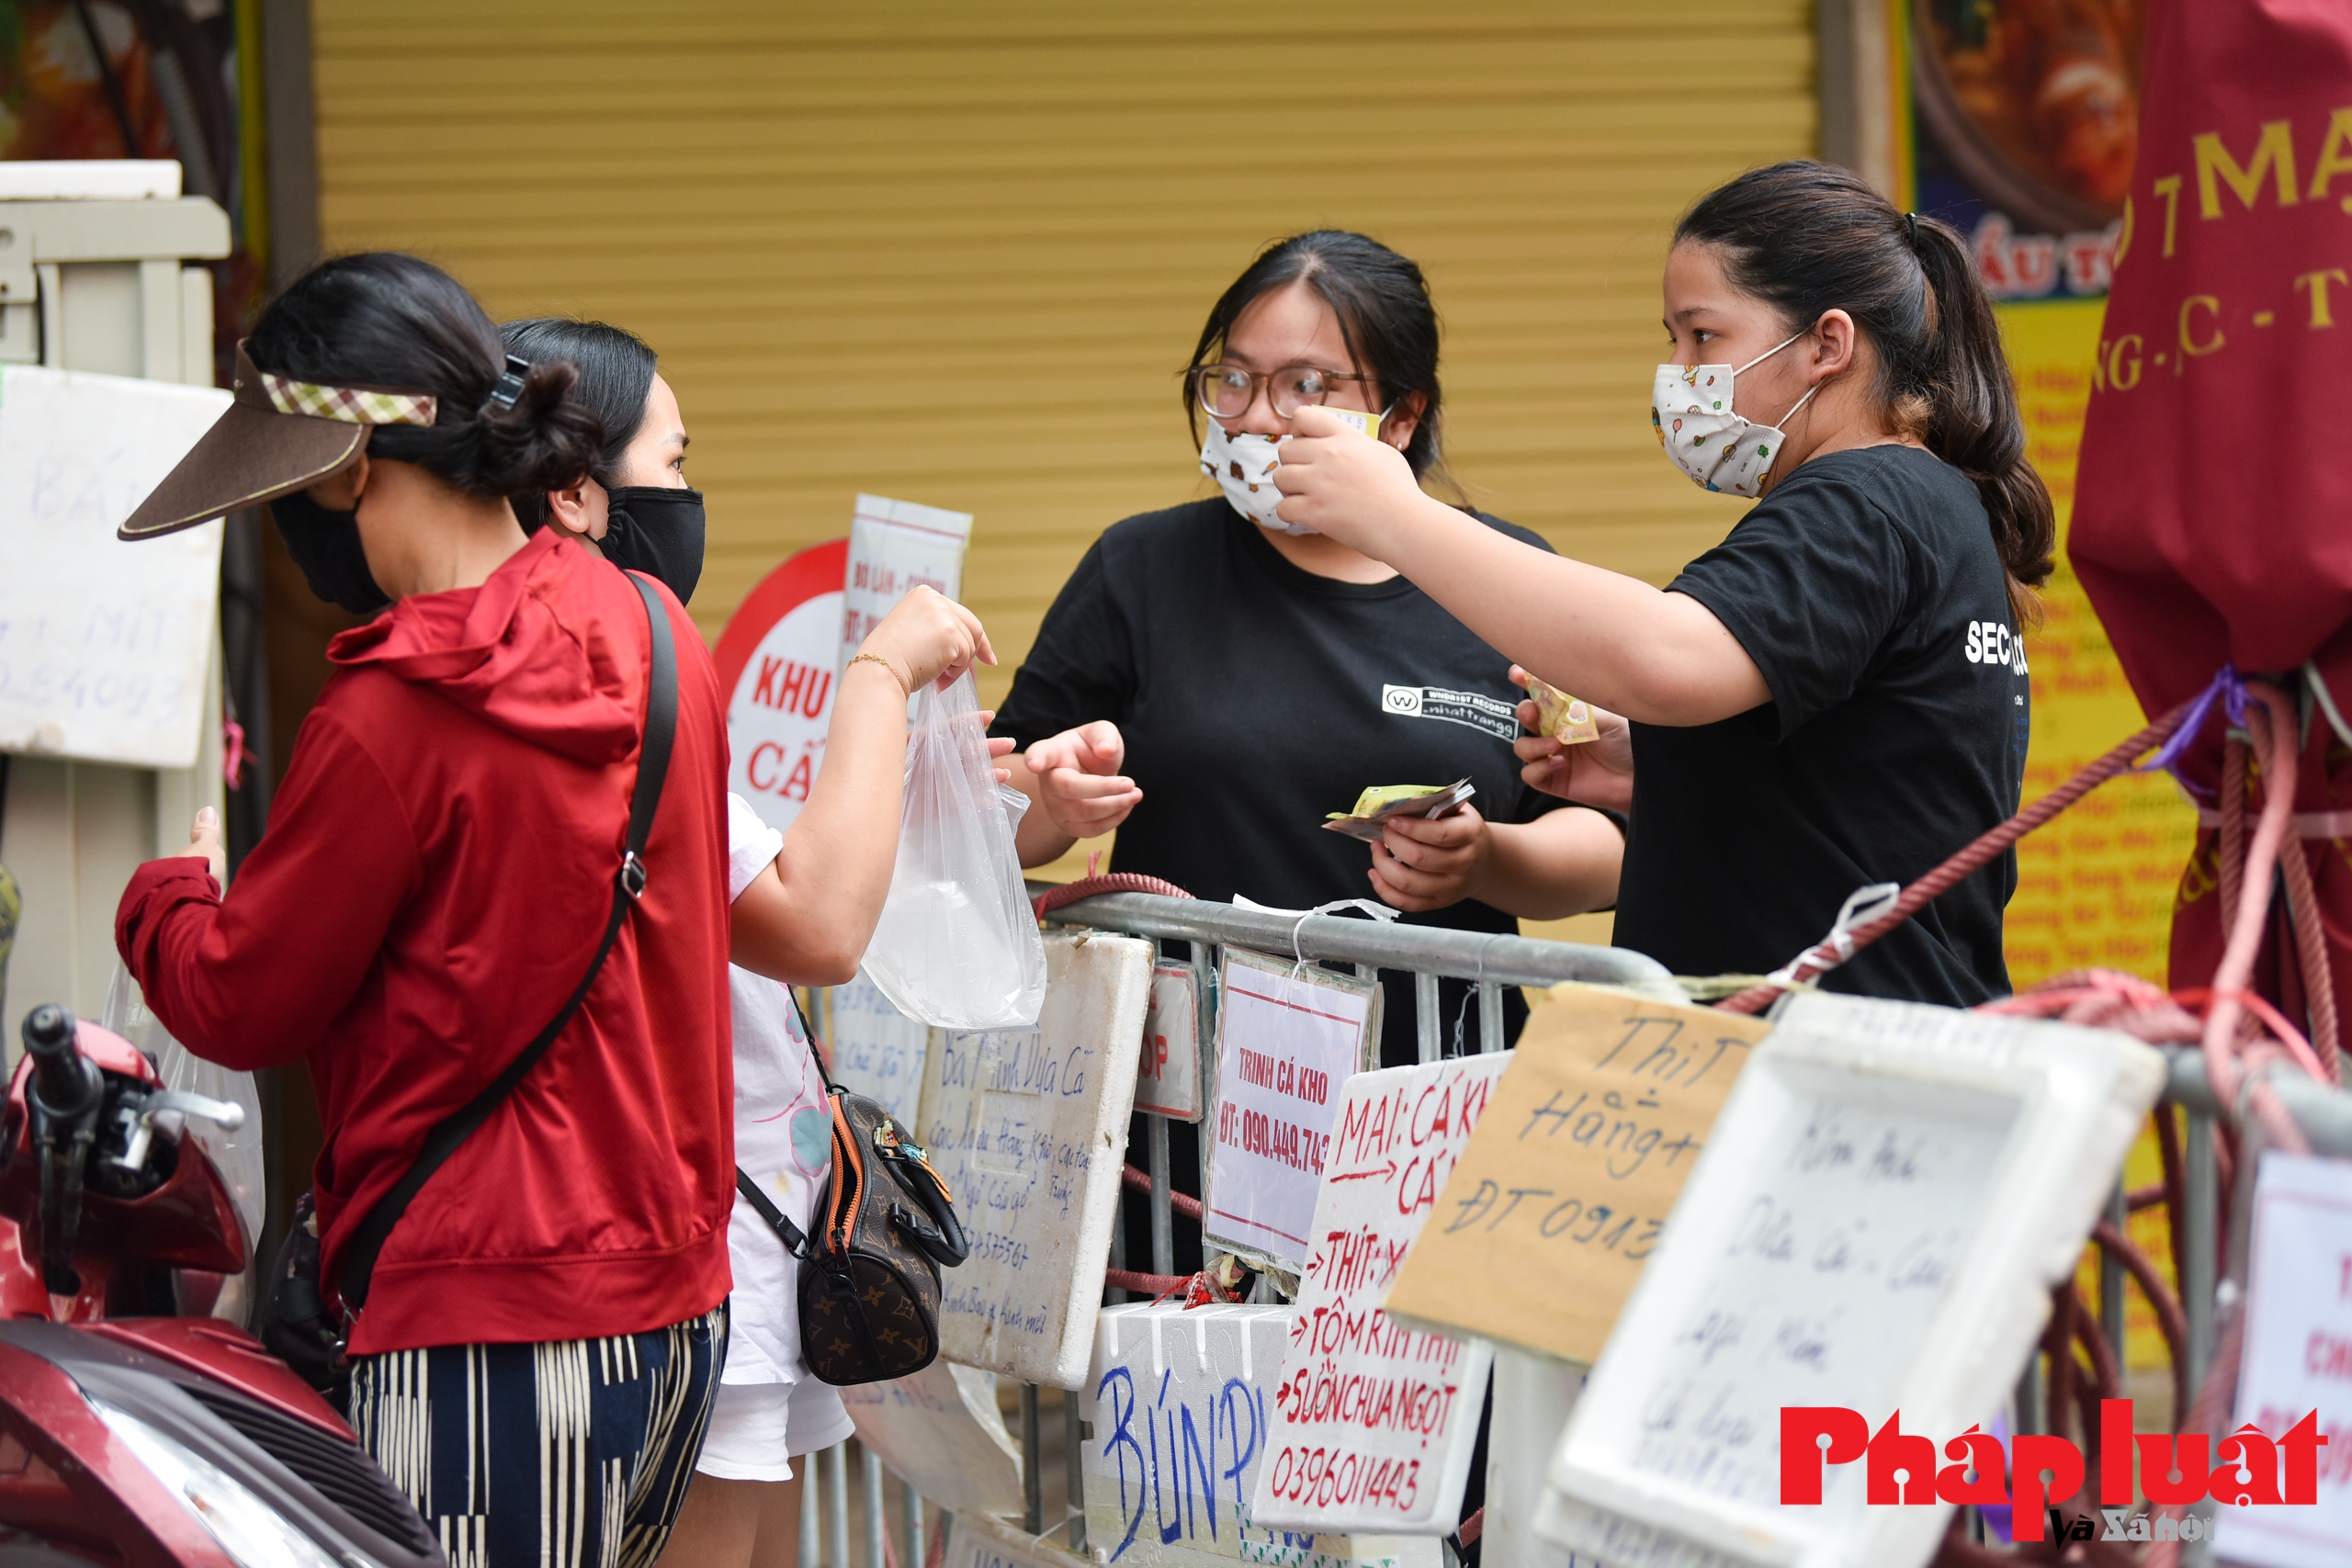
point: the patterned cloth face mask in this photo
(1243, 464)
(1718, 447)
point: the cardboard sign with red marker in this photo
(1373, 1425)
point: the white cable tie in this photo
(1299, 959)
(1862, 906)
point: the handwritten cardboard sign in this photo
(975, 1541)
(1288, 1036)
(1374, 1423)
(1542, 1230)
(104, 644)
(1030, 1128)
(2297, 1354)
(940, 1431)
(1875, 1223)
(879, 1052)
(1176, 1402)
(1169, 1082)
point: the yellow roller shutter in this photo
(958, 254)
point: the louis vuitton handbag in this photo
(885, 1226)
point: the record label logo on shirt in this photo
(1497, 717)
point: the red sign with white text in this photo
(776, 663)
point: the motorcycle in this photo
(130, 1434)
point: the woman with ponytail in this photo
(1836, 696)
(534, 1352)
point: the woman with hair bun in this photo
(1836, 696)
(534, 1354)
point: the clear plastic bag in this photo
(237, 1154)
(957, 946)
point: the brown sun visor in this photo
(278, 435)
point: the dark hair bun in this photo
(544, 442)
(384, 319)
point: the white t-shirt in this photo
(783, 1140)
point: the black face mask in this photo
(657, 531)
(325, 544)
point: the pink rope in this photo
(1053, 898)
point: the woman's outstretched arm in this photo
(1656, 657)
(807, 917)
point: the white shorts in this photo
(757, 1428)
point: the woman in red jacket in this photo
(534, 1361)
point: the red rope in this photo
(1053, 898)
(2171, 1321)
(1968, 862)
(1183, 1203)
(1152, 1285)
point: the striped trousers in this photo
(572, 1453)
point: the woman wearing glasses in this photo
(1213, 681)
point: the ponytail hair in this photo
(1808, 237)
(391, 322)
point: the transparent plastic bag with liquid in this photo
(957, 945)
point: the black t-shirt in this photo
(1867, 590)
(1255, 698)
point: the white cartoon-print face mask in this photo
(1243, 464)
(1719, 448)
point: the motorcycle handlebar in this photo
(64, 1082)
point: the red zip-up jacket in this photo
(437, 875)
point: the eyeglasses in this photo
(1227, 390)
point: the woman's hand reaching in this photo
(1423, 862)
(1337, 481)
(1596, 773)
(204, 839)
(929, 637)
(1079, 782)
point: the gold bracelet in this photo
(877, 659)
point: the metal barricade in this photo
(2324, 1118)
(1489, 962)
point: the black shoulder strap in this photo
(795, 1242)
(652, 766)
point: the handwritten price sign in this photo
(1287, 1038)
(1565, 1188)
(1374, 1423)
(1026, 1125)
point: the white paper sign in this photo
(879, 1052)
(895, 545)
(1875, 1223)
(975, 1541)
(2298, 1357)
(1534, 1395)
(1030, 1128)
(1168, 1082)
(940, 1431)
(1177, 1402)
(1287, 1038)
(103, 642)
(1375, 1424)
